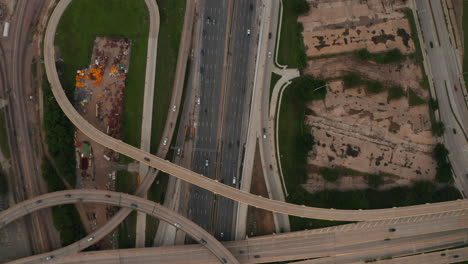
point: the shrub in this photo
(444, 168)
(390, 56)
(414, 99)
(352, 79)
(438, 128)
(330, 174)
(301, 7)
(374, 87)
(308, 88)
(395, 93)
(375, 180)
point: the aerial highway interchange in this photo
(231, 48)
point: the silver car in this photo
(165, 141)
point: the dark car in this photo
(269, 35)
(454, 131)
(391, 230)
(133, 206)
(67, 195)
(147, 159)
(430, 44)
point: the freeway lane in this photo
(348, 239)
(214, 24)
(241, 55)
(204, 182)
(447, 78)
(123, 200)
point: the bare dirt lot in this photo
(367, 134)
(334, 26)
(259, 222)
(352, 128)
(406, 74)
(99, 99)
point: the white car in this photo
(90, 239)
(206, 162)
(49, 257)
(174, 108)
(177, 225)
(269, 54)
(234, 180)
(248, 32)
(165, 141)
(178, 152)
(198, 100)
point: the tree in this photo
(330, 174)
(438, 128)
(302, 7)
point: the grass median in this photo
(126, 182)
(3, 135)
(172, 19)
(85, 20)
(420, 192)
(291, 50)
(294, 137)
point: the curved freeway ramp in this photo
(122, 200)
(154, 24)
(204, 182)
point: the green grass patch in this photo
(172, 19)
(127, 231)
(417, 55)
(127, 182)
(66, 218)
(3, 182)
(156, 193)
(68, 223)
(291, 50)
(414, 99)
(395, 93)
(420, 193)
(375, 180)
(59, 133)
(330, 174)
(391, 56)
(4, 135)
(274, 79)
(295, 139)
(353, 79)
(85, 20)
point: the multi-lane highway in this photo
(209, 184)
(20, 116)
(122, 200)
(445, 229)
(213, 18)
(241, 57)
(447, 77)
(226, 55)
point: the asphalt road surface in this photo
(448, 87)
(211, 70)
(353, 240)
(223, 93)
(212, 185)
(117, 199)
(241, 54)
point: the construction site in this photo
(356, 130)
(99, 98)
